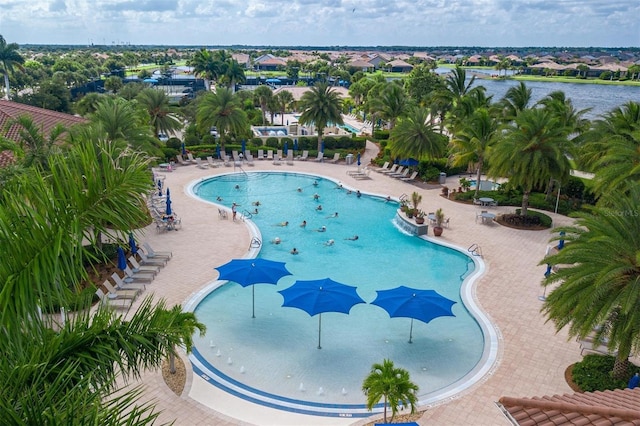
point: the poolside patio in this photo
(532, 358)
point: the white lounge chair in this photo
(260, 154)
(114, 302)
(304, 156)
(410, 178)
(384, 167)
(398, 173)
(181, 160)
(127, 286)
(200, 164)
(212, 162)
(336, 158)
(277, 159)
(401, 175)
(391, 170)
(270, 155)
(137, 276)
(235, 156)
(137, 267)
(190, 158)
(249, 159)
(151, 253)
(320, 157)
(290, 158)
(120, 293)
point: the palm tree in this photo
(234, 73)
(472, 144)
(415, 137)
(392, 103)
(223, 110)
(34, 143)
(515, 101)
(530, 152)
(163, 118)
(9, 57)
(321, 106)
(284, 99)
(263, 95)
(205, 66)
(599, 279)
(611, 148)
(391, 383)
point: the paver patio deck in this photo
(532, 357)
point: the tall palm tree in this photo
(392, 103)
(163, 118)
(233, 74)
(612, 149)
(530, 152)
(415, 137)
(223, 110)
(598, 283)
(515, 101)
(284, 99)
(263, 95)
(9, 58)
(391, 383)
(473, 143)
(205, 66)
(320, 106)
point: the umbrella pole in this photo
(411, 331)
(253, 301)
(319, 329)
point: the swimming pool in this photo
(273, 359)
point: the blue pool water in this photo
(275, 356)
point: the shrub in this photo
(272, 142)
(593, 373)
(191, 140)
(431, 174)
(208, 139)
(381, 135)
(174, 143)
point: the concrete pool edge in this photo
(482, 370)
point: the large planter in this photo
(437, 231)
(419, 220)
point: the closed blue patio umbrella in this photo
(285, 148)
(561, 242)
(423, 305)
(295, 145)
(122, 260)
(248, 272)
(322, 146)
(218, 151)
(132, 244)
(184, 149)
(358, 160)
(244, 146)
(159, 188)
(168, 210)
(318, 296)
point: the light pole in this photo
(558, 196)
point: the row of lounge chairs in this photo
(120, 292)
(398, 172)
(277, 157)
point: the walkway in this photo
(532, 357)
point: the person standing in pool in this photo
(294, 251)
(234, 210)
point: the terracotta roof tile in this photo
(43, 118)
(620, 407)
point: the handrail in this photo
(475, 250)
(255, 243)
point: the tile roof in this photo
(45, 119)
(620, 407)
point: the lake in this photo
(599, 97)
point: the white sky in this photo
(489, 23)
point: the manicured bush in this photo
(593, 373)
(174, 143)
(272, 143)
(191, 140)
(381, 135)
(208, 139)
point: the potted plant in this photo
(465, 184)
(420, 217)
(437, 229)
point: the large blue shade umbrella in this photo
(409, 162)
(423, 305)
(132, 243)
(122, 260)
(252, 271)
(318, 296)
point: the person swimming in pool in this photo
(256, 203)
(332, 215)
(299, 189)
(315, 183)
(316, 196)
(354, 238)
(329, 243)
(322, 229)
(319, 208)
(294, 251)
(303, 224)
(276, 240)
(285, 223)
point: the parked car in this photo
(163, 137)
